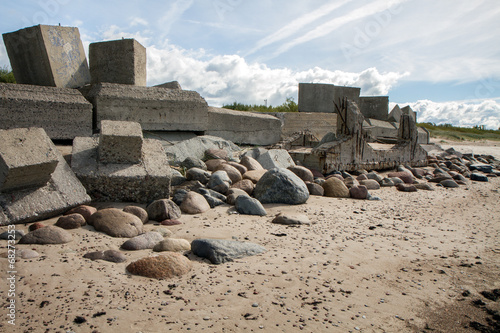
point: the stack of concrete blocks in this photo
(48, 56)
(319, 97)
(35, 181)
(63, 112)
(120, 61)
(119, 165)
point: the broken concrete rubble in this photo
(116, 175)
(36, 182)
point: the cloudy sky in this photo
(441, 57)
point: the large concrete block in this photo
(320, 97)
(26, 158)
(156, 109)
(374, 107)
(62, 112)
(120, 142)
(141, 182)
(395, 114)
(118, 61)
(44, 198)
(275, 158)
(409, 111)
(378, 129)
(318, 124)
(48, 56)
(243, 127)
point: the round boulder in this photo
(165, 266)
(163, 209)
(71, 221)
(315, 189)
(84, 210)
(251, 163)
(335, 188)
(246, 185)
(116, 223)
(249, 206)
(145, 241)
(231, 171)
(302, 172)
(281, 186)
(172, 245)
(370, 184)
(198, 174)
(137, 211)
(359, 192)
(213, 164)
(47, 235)
(254, 175)
(194, 203)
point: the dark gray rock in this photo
(212, 198)
(280, 185)
(219, 182)
(47, 235)
(486, 168)
(315, 189)
(163, 209)
(145, 241)
(249, 206)
(387, 182)
(14, 234)
(193, 162)
(177, 177)
(179, 196)
(198, 174)
(478, 177)
(449, 183)
(219, 251)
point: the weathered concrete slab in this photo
(318, 124)
(320, 97)
(170, 85)
(381, 129)
(409, 111)
(395, 114)
(156, 109)
(142, 182)
(374, 107)
(48, 56)
(120, 142)
(62, 112)
(26, 158)
(275, 158)
(196, 148)
(118, 61)
(60, 193)
(243, 127)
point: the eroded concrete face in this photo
(62, 112)
(36, 183)
(120, 61)
(120, 142)
(374, 107)
(319, 97)
(48, 56)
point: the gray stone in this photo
(486, 168)
(196, 147)
(478, 177)
(387, 182)
(47, 235)
(137, 211)
(12, 234)
(27, 158)
(108, 255)
(403, 187)
(172, 245)
(62, 112)
(250, 163)
(315, 189)
(276, 158)
(163, 209)
(219, 182)
(233, 173)
(48, 56)
(375, 176)
(156, 109)
(193, 162)
(255, 153)
(118, 61)
(287, 219)
(179, 196)
(142, 242)
(370, 184)
(395, 114)
(249, 206)
(424, 186)
(194, 203)
(213, 198)
(244, 127)
(165, 266)
(116, 223)
(198, 174)
(233, 194)
(142, 182)
(281, 186)
(177, 177)
(71, 221)
(219, 251)
(449, 183)
(120, 142)
(62, 191)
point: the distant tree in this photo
(6, 76)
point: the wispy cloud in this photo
(173, 14)
(297, 24)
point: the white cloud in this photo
(138, 21)
(458, 113)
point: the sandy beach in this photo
(411, 262)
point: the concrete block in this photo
(48, 56)
(243, 127)
(319, 97)
(395, 114)
(381, 129)
(120, 142)
(118, 61)
(408, 110)
(318, 124)
(46, 199)
(142, 182)
(26, 158)
(275, 158)
(156, 109)
(170, 85)
(374, 107)
(62, 112)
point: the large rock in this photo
(172, 245)
(219, 182)
(72, 221)
(281, 186)
(198, 174)
(233, 173)
(84, 210)
(370, 184)
(194, 203)
(304, 173)
(163, 209)
(250, 163)
(145, 241)
(249, 206)
(254, 175)
(213, 198)
(137, 211)
(165, 266)
(47, 235)
(276, 158)
(405, 176)
(246, 185)
(359, 192)
(116, 223)
(315, 189)
(335, 188)
(219, 251)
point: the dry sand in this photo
(401, 264)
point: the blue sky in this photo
(440, 57)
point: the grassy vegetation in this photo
(6, 76)
(449, 132)
(288, 106)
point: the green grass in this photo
(449, 132)
(6, 76)
(288, 106)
